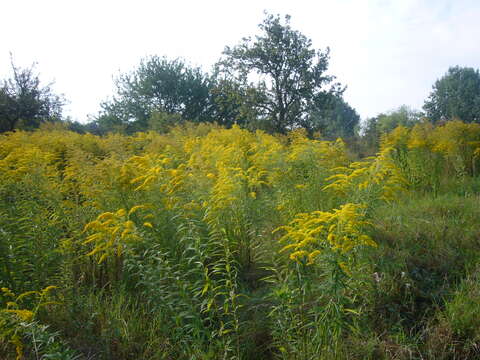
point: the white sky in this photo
(388, 52)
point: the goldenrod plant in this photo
(18, 323)
(215, 243)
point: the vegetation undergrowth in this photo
(214, 243)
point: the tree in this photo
(370, 138)
(291, 75)
(338, 119)
(403, 116)
(455, 95)
(383, 123)
(25, 104)
(235, 103)
(162, 122)
(158, 86)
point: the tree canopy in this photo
(290, 75)
(25, 103)
(375, 127)
(336, 119)
(158, 85)
(274, 82)
(402, 116)
(455, 95)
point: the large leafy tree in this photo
(455, 95)
(283, 77)
(236, 103)
(158, 85)
(25, 103)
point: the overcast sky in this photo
(388, 52)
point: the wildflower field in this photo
(214, 243)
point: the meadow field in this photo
(215, 243)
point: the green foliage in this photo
(455, 331)
(370, 137)
(25, 104)
(375, 127)
(335, 120)
(43, 343)
(455, 96)
(294, 90)
(162, 245)
(421, 258)
(403, 116)
(19, 328)
(292, 74)
(236, 104)
(157, 85)
(161, 122)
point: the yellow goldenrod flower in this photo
(339, 231)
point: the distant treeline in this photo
(275, 82)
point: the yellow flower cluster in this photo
(14, 305)
(207, 171)
(340, 231)
(328, 154)
(112, 232)
(379, 175)
(455, 141)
